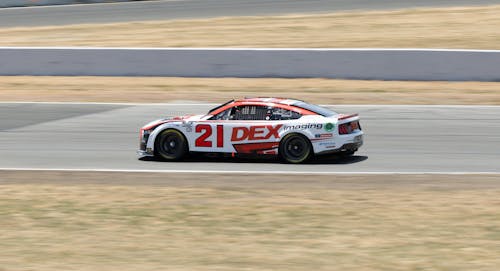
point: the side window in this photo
(283, 114)
(256, 112)
(250, 112)
(224, 115)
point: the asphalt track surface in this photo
(399, 139)
(188, 9)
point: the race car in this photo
(292, 129)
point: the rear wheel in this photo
(171, 145)
(295, 148)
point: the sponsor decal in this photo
(205, 131)
(329, 127)
(188, 125)
(303, 126)
(259, 132)
(327, 145)
(329, 135)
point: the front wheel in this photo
(295, 148)
(171, 145)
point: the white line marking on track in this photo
(276, 172)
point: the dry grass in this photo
(273, 223)
(465, 27)
(157, 89)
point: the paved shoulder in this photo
(18, 115)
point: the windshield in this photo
(316, 109)
(215, 108)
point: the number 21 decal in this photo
(206, 131)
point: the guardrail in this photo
(366, 64)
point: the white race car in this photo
(293, 129)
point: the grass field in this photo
(323, 91)
(112, 221)
(465, 27)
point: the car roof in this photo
(286, 103)
(275, 100)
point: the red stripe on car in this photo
(255, 147)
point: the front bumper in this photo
(145, 153)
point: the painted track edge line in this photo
(257, 172)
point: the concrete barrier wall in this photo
(369, 64)
(25, 3)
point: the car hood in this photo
(158, 122)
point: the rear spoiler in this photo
(343, 117)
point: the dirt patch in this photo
(466, 27)
(323, 91)
(97, 221)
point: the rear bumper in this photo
(348, 147)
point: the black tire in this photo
(171, 145)
(295, 148)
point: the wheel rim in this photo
(296, 148)
(170, 145)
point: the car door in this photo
(236, 129)
(252, 130)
